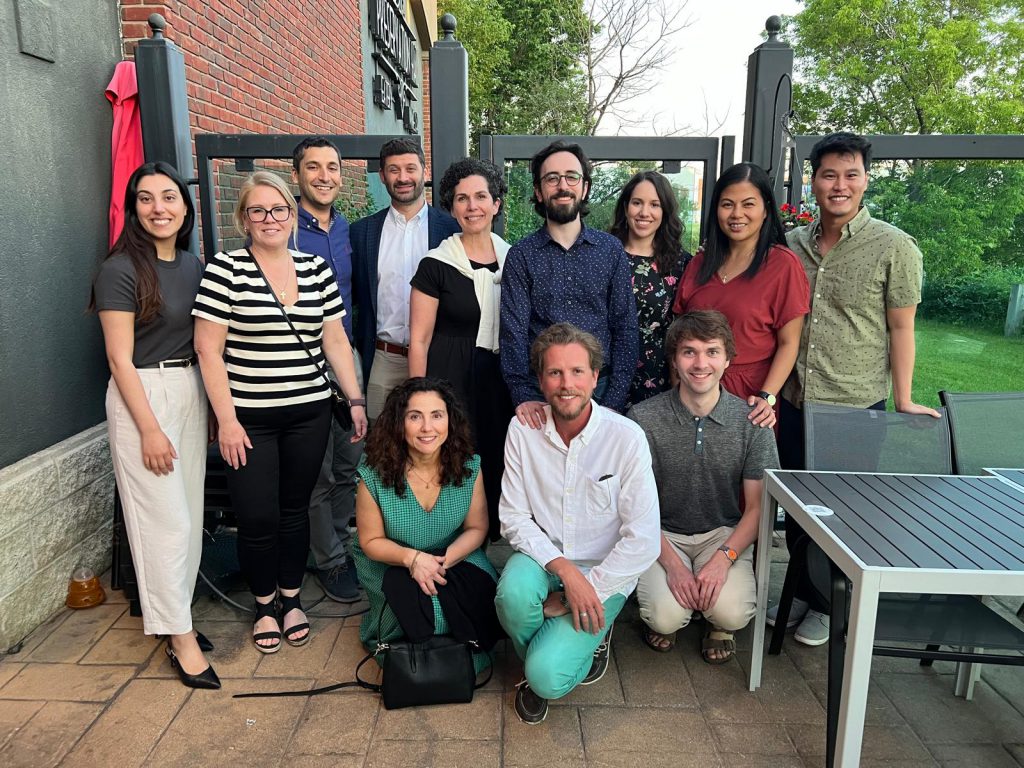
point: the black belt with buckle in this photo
(182, 363)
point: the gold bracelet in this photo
(418, 553)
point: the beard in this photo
(568, 413)
(562, 213)
(405, 195)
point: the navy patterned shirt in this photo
(588, 285)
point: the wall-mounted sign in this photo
(395, 55)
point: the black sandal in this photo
(290, 603)
(264, 610)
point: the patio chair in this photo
(987, 429)
(863, 440)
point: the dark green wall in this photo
(54, 192)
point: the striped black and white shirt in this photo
(267, 366)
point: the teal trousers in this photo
(555, 656)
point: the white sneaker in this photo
(813, 630)
(797, 611)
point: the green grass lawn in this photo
(963, 359)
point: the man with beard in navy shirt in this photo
(566, 272)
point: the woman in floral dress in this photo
(647, 222)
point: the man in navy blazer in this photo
(386, 250)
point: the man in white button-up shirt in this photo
(579, 506)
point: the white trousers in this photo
(163, 513)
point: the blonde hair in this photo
(264, 179)
(561, 334)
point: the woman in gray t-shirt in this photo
(156, 406)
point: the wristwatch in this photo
(767, 396)
(732, 554)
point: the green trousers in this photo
(555, 656)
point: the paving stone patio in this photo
(89, 689)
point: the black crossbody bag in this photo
(339, 403)
(438, 670)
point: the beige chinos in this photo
(735, 606)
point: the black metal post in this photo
(449, 99)
(163, 103)
(769, 102)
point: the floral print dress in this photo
(654, 293)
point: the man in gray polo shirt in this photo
(709, 461)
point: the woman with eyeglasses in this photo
(746, 272)
(646, 220)
(156, 408)
(269, 394)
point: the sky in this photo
(710, 66)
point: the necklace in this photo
(282, 292)
(745, 261)
(427, 483)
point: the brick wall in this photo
(254, 66)
(263, 67)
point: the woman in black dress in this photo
(453, 317)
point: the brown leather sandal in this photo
(717, 640)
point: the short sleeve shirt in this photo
(756, 307)
(700, 462)
(169, 335)
(267, 366)
(844, 348)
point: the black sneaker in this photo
(600, 663)
(339, 583)
(530, 707)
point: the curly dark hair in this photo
(668, 247)
(387, 452)
(470, 166)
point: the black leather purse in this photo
(438, 670)
(339, 404)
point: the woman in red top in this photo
(747, 273)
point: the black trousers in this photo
(270, 494)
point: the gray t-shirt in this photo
(169, 335)
(700, 463)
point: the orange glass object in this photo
(84, 589)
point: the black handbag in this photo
(339, 404)
(438, 670)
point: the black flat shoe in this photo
(206, 679)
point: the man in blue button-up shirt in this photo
(316, 169)
(566, 272)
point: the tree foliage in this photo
(910, 66)
(919, 67)
(524, 63)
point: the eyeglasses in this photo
(572, 178)
(278, 213)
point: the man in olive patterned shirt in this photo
(865, 278)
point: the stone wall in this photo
(56, 512)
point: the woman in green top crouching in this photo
(421, 518)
